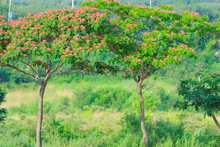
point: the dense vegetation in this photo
(92, 112)
(84, 109)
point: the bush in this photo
(84, 97)
(111, 97)
(130, 123)
(2, 110)
(161, 130)
(55, 127)
(206, 136)
(106, 97)
(167, 99)
(31, 108)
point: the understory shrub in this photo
(106, 97)
(31, 108)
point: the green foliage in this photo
(68, 40)
(84, 97)
(31, 108)
(106, 97)
(201, 92)
(151, 101)
(203, 135)
(111, 97)
(165, 128)
(164, 133)
(147, 52)
(130, 122)
(129, 34)
(166, 99)
(65, 103)
(56, 128)
(14, 86)
(2, 110)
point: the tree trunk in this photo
(216, 122)
(40, 114)
(143, 128)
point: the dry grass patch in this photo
(15, 98)
(105, 121)
(53, 92)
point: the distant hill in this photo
(21, 7)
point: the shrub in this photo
(31, 108)
(106, 97)
(84, 97)
(55, 127)
(111, 97)
(2, 110)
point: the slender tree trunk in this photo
(143, 128)
(40, 114)
(216, 122)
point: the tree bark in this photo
(143, 128)
(40, 114)
(216, 122)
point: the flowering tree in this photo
(202, 92)
(147, 39)
(53, 43)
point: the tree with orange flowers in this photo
(53, 43)
(150, 39)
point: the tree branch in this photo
(30, 75)
(29, 65)
(50, 65)
(152, 72)
(200, 38)
(56, 68)
(111, 47)
(146, 71)
(61, 73)
(133, 75)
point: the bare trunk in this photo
(216, 122)
(143, 128)
(40, 114)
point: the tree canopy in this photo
(149, 39)
(57, 36)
